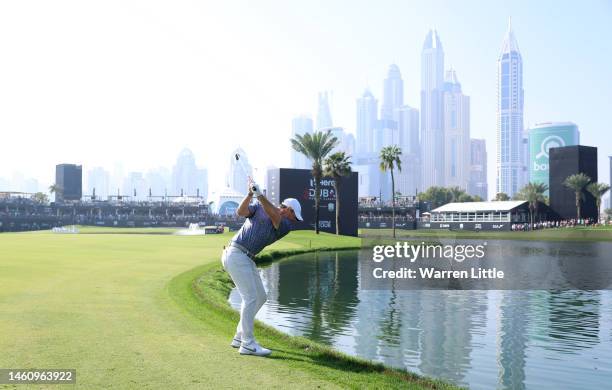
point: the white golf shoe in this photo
(236, 343)
(254, 349)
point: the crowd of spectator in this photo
(566, 223)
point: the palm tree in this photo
(577, 183)
(533, 193)
(336, 166)
(598, 190)
(389, 159)
(315, 147)
(54, 189)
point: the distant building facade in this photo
(511, 144)
(567, 161)
(187, 178)
(69, 182)
(543, 137)
(478, 169)
(432, 116)
(457, 145)
(300, 125)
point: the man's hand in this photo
(254, 189)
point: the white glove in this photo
(255, 190)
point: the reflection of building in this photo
(237, 177)
(544, 136)
(69, 182)
(478, 169)
(299, 126)
(511, 159)
(187, 178)
(456, 133)
(432, 126)
(567, 161)
(512, 339)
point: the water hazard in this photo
(481, 339)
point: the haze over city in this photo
(134, 83)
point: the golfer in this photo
(264, 225)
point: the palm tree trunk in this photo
(317, 198)
(578, 205)
(393, 202)
(336, 186)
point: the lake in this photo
(506, 339)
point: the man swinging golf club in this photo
(264, 225)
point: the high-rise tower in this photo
(324, 118)
(456, 133)
(432, 113)
(511, 158)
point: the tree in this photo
(608, 213)
(501, 197)
(598, 190)
(532, 193)
(337, 166)
(40, 197)
(456, 193)
(577, 183)
(54, 189)
(436, 196)
(315, 147)
(389, 160)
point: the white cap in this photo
(295, 205)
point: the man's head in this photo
(290, 208)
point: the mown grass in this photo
(112, 307)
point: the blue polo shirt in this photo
(257, 232)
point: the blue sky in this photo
(148, 78)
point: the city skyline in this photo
(147, 124)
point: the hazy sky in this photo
(136, 81)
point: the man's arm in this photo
(272, 211)
(243, 209)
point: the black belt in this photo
(242, 249)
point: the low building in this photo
(489, 216)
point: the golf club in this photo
(237, 156)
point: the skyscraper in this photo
(187, 178)
(300, 125)
(511, 159)
(69, 182)
(456, 133)
(237, 177)
(408, 180)
(324, 118)
(478, 169)
(393, 94)
(367, 118)
(99, 179)
(432, 130)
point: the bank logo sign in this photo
(541, 140)
(552, 141)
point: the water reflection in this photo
(481, 339)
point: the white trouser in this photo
(246, 277)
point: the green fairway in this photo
(122, 310)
